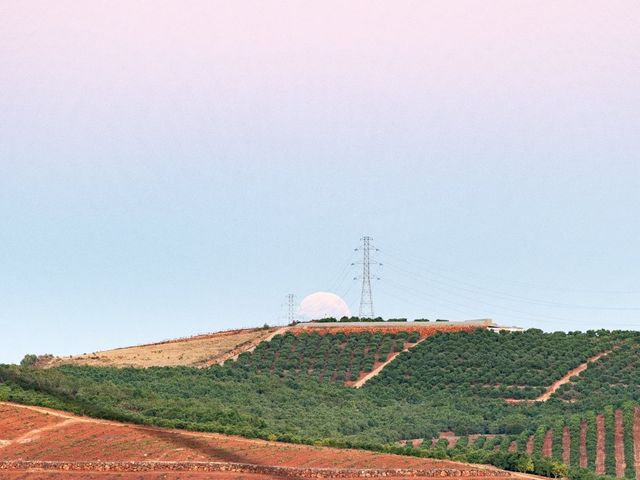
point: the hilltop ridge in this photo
(215, 348)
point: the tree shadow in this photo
(204, 446)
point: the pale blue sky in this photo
(176, 170)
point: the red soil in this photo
(81, 439)
(451, 437)
(513, 447)
(636, 441)
(584, 459)
(39, 475)
(621, 466)
(547, 446)
(566, 446)
(29, 420)
(571, 373)
(600, 445)
(474, 436)
(379, 365)
(530, 445)
(424, 329)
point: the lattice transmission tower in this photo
(366, 296)
(291, 308)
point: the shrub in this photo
(29, 360)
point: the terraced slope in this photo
(615, 375)
(338, 358)
(340, 353)
(607, 443)
(485, 364)
(568, 377)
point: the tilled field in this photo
(56, 445)
(12, 428)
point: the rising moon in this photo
(322, 305)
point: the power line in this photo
(458, 296)
(471, 288)
(432, 299)
(449, 296)
(414, 259)
(338, 281)
(471, 303)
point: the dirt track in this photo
(636, 440)
(248, 346)
(600, 445)
(566, 446)
(361, 381)
(547, 446)
(530, 445)
(553, 388)
(621, 466)
(584, 458)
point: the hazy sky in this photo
(168, 168)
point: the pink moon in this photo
(323, 304)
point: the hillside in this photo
(44, 443)
(209, 349)
(297, 388)
(348, 353)
(197, 351)
(616, 375)
(607, 442)
(484, 364)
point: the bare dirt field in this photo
(29, 421)
(44, 475)
(40, 475)
(198, 351)
(55, 445)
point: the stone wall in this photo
(284, 472)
